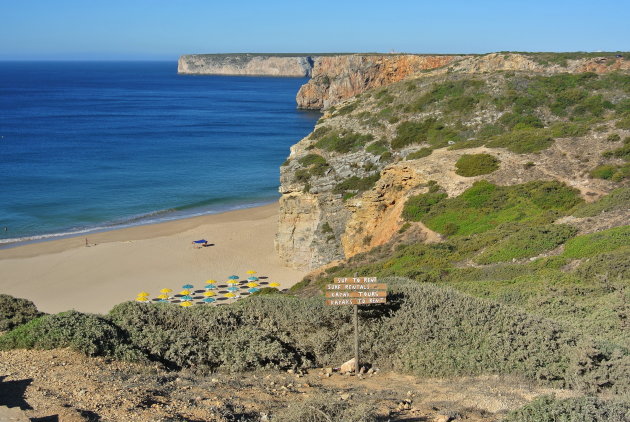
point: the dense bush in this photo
(526, 241)
(343, 142)
(476, 164)
(599, 242)
(356, 184)
(377, 148)
(14, 312)
(316, 165)
(578, 409)
(485, 205)
(606, 171)
(427, 131)
(522, 141)
(90, 334)
(421, 153)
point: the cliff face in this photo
(245, 64)
(337, 78)
(345, 185)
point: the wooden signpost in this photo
(356, 291)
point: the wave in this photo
(160, 216)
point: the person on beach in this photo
(86, 242)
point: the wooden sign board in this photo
(356, 280)
(361, 293)
(357, 286)
(356, 301)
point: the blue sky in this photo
(165, 29)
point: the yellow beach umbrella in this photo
(229, 294)
(208, 294)
(210, 281)
(163, 296)
(143, 294)
(185, 304)
(251, 272)
(274, 284)
(232, 282)
(184, 292)
(252, 284)
(166, 290)
(142, 299)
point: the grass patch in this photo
(618, 199)
(428, 131)
(421, 153)
(523, 141)
(377, 148)
(577, 409)
(343, 142)
(356, 185)
(476, 164)
(596, 243)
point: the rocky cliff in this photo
(337, 78)
(345, 185)
(245, 64)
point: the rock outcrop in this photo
(245, 64)
(336, 78)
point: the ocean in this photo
(90, 146)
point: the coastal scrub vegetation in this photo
(577, 409)
(343, 141)
(15, 311)
(470, 165)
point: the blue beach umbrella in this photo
(233, 277)
(187, 286)
(210, 286)
(186, 297)
(232, 289)
(209, 300)
(253, 290)
(252, 279)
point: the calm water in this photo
(87, 146)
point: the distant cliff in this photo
(245, 64)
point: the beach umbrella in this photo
(187, 286)
(210, 286)
(233, 289)
(232, 282)
(163, 296)
(184, 292)
(251, 272)
(252, 279)
(253, 290)
(185, 304)
(229, 295)
(145, 294)
(162, 300)
(166, 290)
(142, 299)
(233, 277)
(209, 300)
(208, 294)
(252, 284)
(211, 281)
(274, 284)
(186, 297)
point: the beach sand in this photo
(64, 274)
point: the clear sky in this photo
(165, 29)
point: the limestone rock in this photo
(347, 367)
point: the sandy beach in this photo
(64, 274)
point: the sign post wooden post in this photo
(356, 291)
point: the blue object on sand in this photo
(187, 286)
(233, 277)
(252, 279)
(209, 300)
(232, 289)
(200, 241)
(253, 290)
(186, 297)
(210, 286)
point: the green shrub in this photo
(476, 164)
(311, 159)
(421, 153)
(266, 291)
(320, 132)
(565, 130)
(14, 312)
(356, 184)
(523, 121)
(417, 206)
(576, 409)
(408, 133)
(343, 142)
(522, 141)
(347, 109)
(622, 152)
(623, 123)
(605, 171)
(613, 137)
(599, 242)
(316, 164)
(525, 242)
(90, 334)
(377, 148)
(489, 130)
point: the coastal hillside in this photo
(507, 119)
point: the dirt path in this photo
(65, 386)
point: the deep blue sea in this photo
(95, 145)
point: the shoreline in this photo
(64, 274)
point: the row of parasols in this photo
(211, 292)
